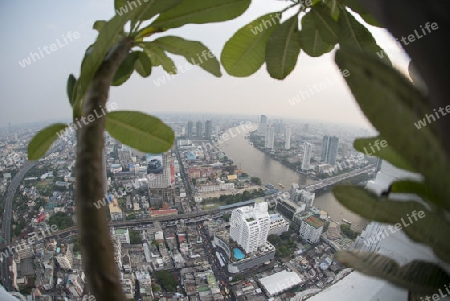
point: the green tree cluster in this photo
(255, 180)
(167, 280)
(61, 220)
(135, 237)
(347, 230)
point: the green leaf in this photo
(140, 131)
(158, 57)
(143, 65)
(195, 52)
(416, 276)
(394, 106)
(118, 4)
(421, 190)
(200, 12)
(333, 5)
(327, 26)
(311, 40)
(106, 38)
(355, 35)
(283, 49)
(154, 7)
(42, 141)
(71, 81)
(386, 153)
(125, 69)
(411, 217)
(244, 53)
(98, 25)
(356, 6)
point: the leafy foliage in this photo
(141, 131)
(61, 220)
(347, 230)
(256, 180)
(42, 141)
(325, 24)
(201, 12)
(167, 280)
(393, 105)
(135, 237)
(417, 276)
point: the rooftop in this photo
(315, 221)
(279, 282)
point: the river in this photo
(256, 163)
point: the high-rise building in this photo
(270, 137)
(264, 119)
(330, 146)
(287, 142)
(262, 125)
(199, 129)
(307, 148)
(189, 129)
(208, 129)
(124, 155)
(250, 226)
(345, 150)
(278, 126)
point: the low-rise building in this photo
(278, 224)
(311, 228)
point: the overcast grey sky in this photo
(37, 92)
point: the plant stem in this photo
(96, 245)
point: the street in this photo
(220, 272)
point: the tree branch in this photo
(96, 244)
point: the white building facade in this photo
(278, 224)
(287, 142)
(311, 229)
(249, 226)
(307, 149)
(270, 137)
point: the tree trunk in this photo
(96, 245)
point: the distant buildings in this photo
(208, 129)
(124, 155)
(199, 129)
(330, 146)
(270, 137)
(250, 226)
(302, 196)
(287, 142)
(311, 228)
(190, 126)
(262, 126)
(307, 148)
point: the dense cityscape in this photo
(191, 223)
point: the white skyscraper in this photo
(307, 148)
(287, 142)
(250, 226)
(270, 137)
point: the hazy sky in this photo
(37, 92)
